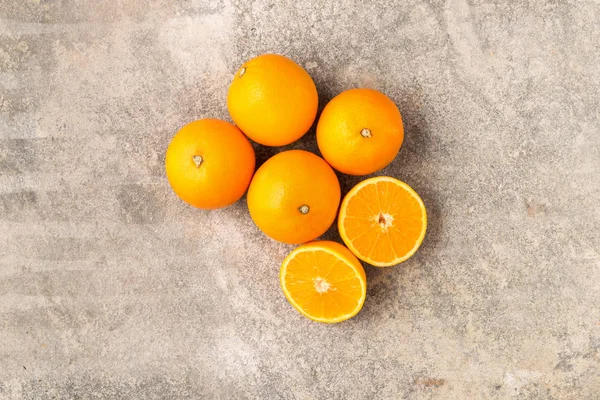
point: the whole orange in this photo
(294, 196)
(210, 163)
(273, 100)
(360, 131)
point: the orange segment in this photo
(324, 281)
(382, 221)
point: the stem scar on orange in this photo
(360, 131)
(209, 163)
(294, 197)
(324, 281)
(273, 100)
(382, 221)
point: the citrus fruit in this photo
(209, 163)
(382, 221)
(273, 100)
(360, 131)
(294, 196)
(324, 281)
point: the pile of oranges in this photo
(294, 197)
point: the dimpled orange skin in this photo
(272, 100)
(281, 188)
(226, 165)
(360, 131)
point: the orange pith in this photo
(382, 221)
(324, 281)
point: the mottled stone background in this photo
(110, 287)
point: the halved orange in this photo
(324, 281)
(382, 221)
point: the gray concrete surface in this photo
(110, 287)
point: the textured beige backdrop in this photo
(110, 287)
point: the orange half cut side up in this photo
(382, 221)
(324, 281)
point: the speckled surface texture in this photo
(110, 287)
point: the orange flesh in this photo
(383, 223)
(323, 286)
